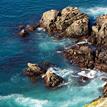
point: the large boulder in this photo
(80, 54)
(47, 19)
(68, 22)
(66, 17)
(78, 28)
(51, 79)
(99, 31)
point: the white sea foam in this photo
(95, 11)
(40, 29)
(85, 41)
(61, 72)
(88, 73)
(20, 100)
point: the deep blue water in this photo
(15, 52)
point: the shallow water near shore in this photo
(15, 89)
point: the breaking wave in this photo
(19, 100)
(95, 11)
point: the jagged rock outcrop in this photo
(99, 32)
(87, 56)
(51, 79)
(69, 22)
(82, 55)
(23, 33)
(101, 59)
(48, 18)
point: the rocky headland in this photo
(89, 52)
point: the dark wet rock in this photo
(30, 28)
(24, 30)
(87, 57)
(21, 27)
(101, 59)
(99, 32)
(45, 65)
(80, 54)
(52, 80)
(69, 22)
(105, 90)
(23, 33)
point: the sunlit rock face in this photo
(99, 31)
(33, 71)
(69, 22)
(51, 79)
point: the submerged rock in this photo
(23, 33)
(99, 31)
(51, 79)
(69, 22)
(30, 28)
(24, 30)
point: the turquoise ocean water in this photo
(15, 89)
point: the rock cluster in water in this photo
(71, 22)
(51, 80)
(99, 32)
(91, 53)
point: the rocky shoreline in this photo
(89, 52)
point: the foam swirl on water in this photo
(20, 100)
(95, 11)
